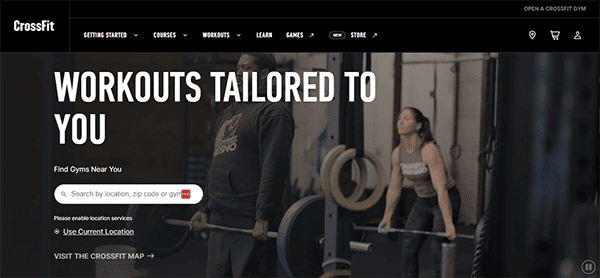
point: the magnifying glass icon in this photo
(63, 193)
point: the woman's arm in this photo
(395, 189)
(433, 159)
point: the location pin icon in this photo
(532, 34)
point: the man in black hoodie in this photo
(250, 164)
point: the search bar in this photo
(103, 194)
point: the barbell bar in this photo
(393, 230)
(355, 246)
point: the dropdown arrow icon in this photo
(135, 35)
(185, 35)
(239, 35)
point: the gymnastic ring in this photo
(336, 191)
(326, 170)
(326, 167)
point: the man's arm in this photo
(276, 132)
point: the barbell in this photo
(355, 246)
(393, 230)
(300, 236)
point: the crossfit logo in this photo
(226, 140)
(45, 25)
(413, 169)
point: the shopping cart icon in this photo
(555, 34)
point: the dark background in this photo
(146, 138)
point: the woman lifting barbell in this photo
(438, 203)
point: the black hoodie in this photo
(251, 159)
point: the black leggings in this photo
(426, 216)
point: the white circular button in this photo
(588, 267)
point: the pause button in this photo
(588, 267)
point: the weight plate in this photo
(151, 235)
(297, 240)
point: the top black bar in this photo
(331, 9)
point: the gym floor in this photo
(384, 262)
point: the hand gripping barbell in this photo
(449, 259)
